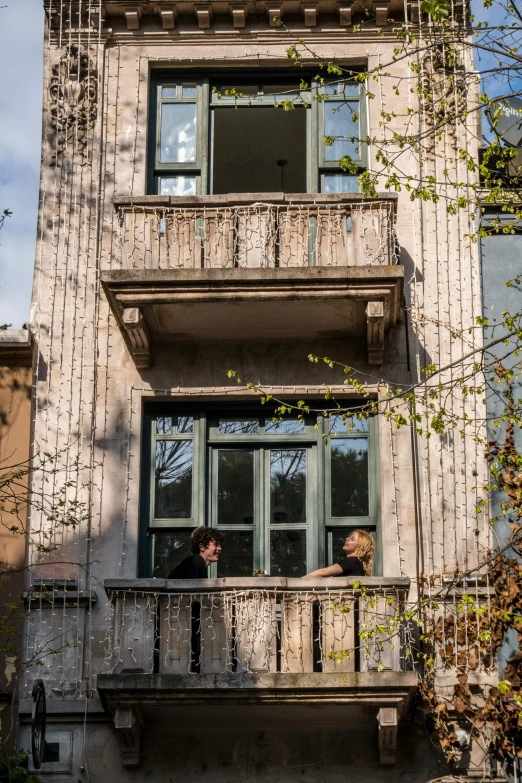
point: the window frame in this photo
(199, 167)
(207, 102)
(324, 166)
(206, 441)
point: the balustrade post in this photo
(134, 631)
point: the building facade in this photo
(198, 240)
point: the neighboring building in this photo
(185, 233)
(16, 382)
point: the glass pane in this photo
(338, 537)
(189, 91)
(288, 553)
(284, 427)
(173, 479)
(237, 557)
(349, 467)
(339, 122)
(350, 89)
(287, 486)
(178, 186)
(350, 424)
(185, 424)
(340, 183)
(168, 92)
(169, 548)
(238, 426)
(235, 488)
(164, 425)
(178, 132)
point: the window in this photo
(232, 135)
(284, 496)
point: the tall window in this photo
(284, 496)
(233, 135)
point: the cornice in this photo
(164, 17)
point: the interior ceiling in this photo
(248, 142)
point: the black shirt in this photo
(191, 567)
(352, 566)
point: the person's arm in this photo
(333, 570)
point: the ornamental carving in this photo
(73, 101)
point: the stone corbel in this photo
(275, 14)
(168, 18)
(204, 15)
(137, 331)
(345, 14)
(380, 9)
(375, 332)
(133, 18)
(387, 719)
(310, 14)
(239, 14)
(128, 725)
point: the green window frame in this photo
(327, 105)
(331, 453)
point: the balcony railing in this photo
(259, 625)
(256, 231)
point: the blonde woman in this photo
(359, 548)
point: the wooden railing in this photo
(257, 625)
(256, 231)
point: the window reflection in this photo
(348, 424)
(340, 122)
(169, 548)
(238, 426)
(287, 486)
(286, 426)
(349, 477)
(340, 183)
(178, 132)
(237, 557)
(173, 479)
(178, 186)
(235, 487)
(288, 553)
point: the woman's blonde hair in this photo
(364, 550)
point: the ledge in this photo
(249, 701)
(233, 304)
(383, 583)
(245, 199)
(343, 688)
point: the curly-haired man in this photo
(205, 546)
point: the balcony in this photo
(221, 267)
(251, 651)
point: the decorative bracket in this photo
(168, 19)
(375, 332)
(387, 718)
(275, 14)
(239, 14)
(380, 9)
(203, 13)
(137, 331)
(345, 14)
(310, 14)
(133, 19)
(128, 724)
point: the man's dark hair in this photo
(202, 536)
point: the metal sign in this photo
(508, 120)
(38, 723)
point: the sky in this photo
(21, 59)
